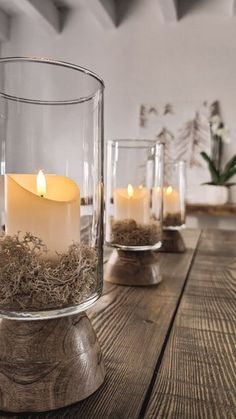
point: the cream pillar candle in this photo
(132, 203)
(171, 201)
(48, 207)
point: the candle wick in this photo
(41, 196)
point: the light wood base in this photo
(48, 364)
(172, 242)
(133, 268)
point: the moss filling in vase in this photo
(130, 233)
(173, 220)
(29, 280)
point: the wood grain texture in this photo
(197, 376)
(172, 242)
(48, 364)
(133, 268)
(131, 325)
(215, 210)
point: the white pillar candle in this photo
(132, 203)
(171, 201)
(48, 207)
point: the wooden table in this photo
(169, 350)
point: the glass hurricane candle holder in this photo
(174, 195)
(133, 202)
(51, 247)
(174, 205)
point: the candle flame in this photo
(41, 183)
(169, 190)
(130, 190)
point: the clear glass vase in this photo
(133, 195)
(51, 132)
(174, 192)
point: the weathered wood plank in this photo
(197, 376)
(218, 242)
(131, 325)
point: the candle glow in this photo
(41, 184)
(169, 190)
(130, 190)
(171, 201)
(133, 203)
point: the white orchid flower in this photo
(215, 119)
(218, 129)
(214, 128)
(225, 137)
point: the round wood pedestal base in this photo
(172, 242)
(48, 364)
(133, 268)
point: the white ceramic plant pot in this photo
(215, 194)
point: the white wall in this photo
(144, 60)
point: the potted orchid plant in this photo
(217, 192)
(218, 189)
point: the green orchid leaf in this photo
(231, 164)
(213, 171)
(226, 176)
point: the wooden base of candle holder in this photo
(172, 242)
(48, 364)
(133, 268)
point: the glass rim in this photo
(49, 61)
(48, 313)
(134, 142)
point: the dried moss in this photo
(173, 220)
(130, 233)
(29, 280)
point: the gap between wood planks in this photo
(162, 352)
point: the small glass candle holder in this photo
(133, 199)
(51, 247)
(174, 195)
(174, 212)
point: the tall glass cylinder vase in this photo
(51, 246)
(134, 184)
(174, 195)
(133, 197)
(174, 212)
(51, 130)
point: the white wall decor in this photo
(184, 127)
